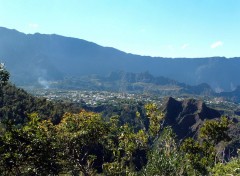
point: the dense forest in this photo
(40, 137)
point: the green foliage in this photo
(10, 150)
(128, 111)
(16, 104)
(29, 149)
(4, 75)
(165, 158)
(81, 140)
(230, 168)
(215, 131)
(124, 149)
(155, 116)
(86, 144)
(40, 146)
(198, 156)
(201, 156)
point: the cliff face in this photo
(30, 57)
(187, 116)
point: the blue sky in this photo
(166, 28)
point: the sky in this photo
(165, 28)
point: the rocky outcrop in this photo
(187, 116)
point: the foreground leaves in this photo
(86, 144)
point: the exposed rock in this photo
(187, 116)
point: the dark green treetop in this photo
(4, 75)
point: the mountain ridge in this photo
(120, 81)
(50, 57)
(187, 116)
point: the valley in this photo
(119, 88)
(99, 98)
(96, 110)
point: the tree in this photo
(81, 140)
(4, 75)
(125, 149)
(202, 154)
(39, 141)
(10, 149)
(29, 149)
(198, 157)
(155, 117)
(165, 157)
(214, 131)
(230, 168)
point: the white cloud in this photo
(184, 46)
(216, 44)
(33, 25)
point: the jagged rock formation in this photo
(187, 116)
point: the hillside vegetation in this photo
(33, 142)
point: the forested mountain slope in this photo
(17, 104)
(34, 58)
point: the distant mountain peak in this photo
(66, 56)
